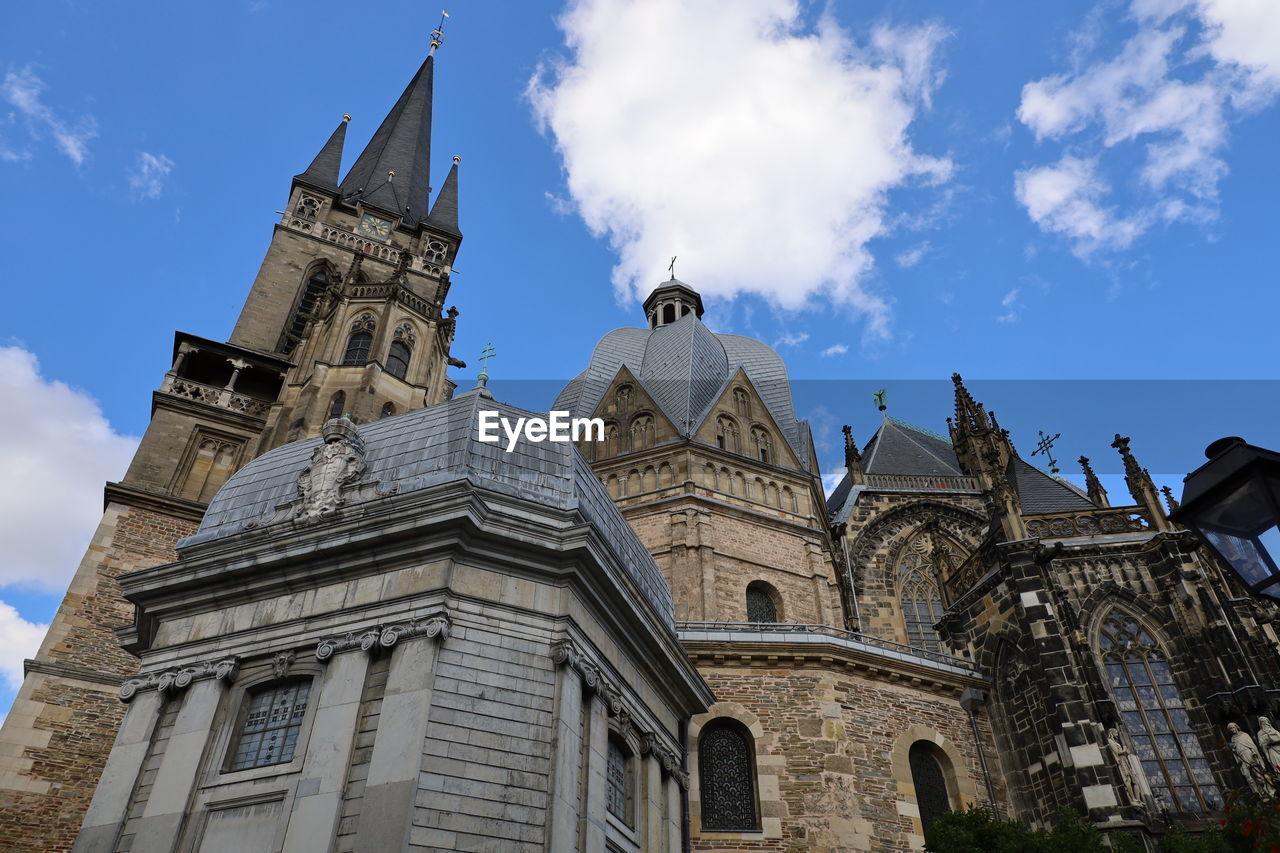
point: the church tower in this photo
(346, 317)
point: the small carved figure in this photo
(1269, 741)
(1130, 767)
(1251, 763)
(336, 462)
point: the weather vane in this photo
(1045, 446)
(672, 266)
(485, 354)
(882, 399)
(437, 35)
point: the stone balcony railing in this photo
(430, 262)
(922, 483)
(211, 395)
(1089, 522)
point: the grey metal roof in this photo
(899, 448)
(685, 367)
(323, 171)
(444, 213)
(402, 143)
(1041, 493)
(436, 445)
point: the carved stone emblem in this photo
(334, 464)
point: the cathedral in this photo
(320, 613)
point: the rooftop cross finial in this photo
(1046, 447)
(672, 266)
(437, 35)
(882, 399)
(485, 354)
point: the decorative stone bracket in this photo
(181, 678)
(385, 636)
(569, 654)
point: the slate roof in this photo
(1040, 492)
(323, 171)
(685, 367)
(444, 213)
(436, 445)
(402, 143)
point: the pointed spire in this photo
(1169, 498)
(393, 171)
(1140, 484)
(444, 213)
(852, 458)
(323, 171)
(1093, 486)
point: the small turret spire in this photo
(1141, 487)
(1093, 486)
(852, 458)
(323, 171)
(444, 213)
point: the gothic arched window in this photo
(303, 311)
(620, 790)
(918, 591)
(641, 432)
(930, 782)
(762, 603)
(398, 359)
(388, 409)
(337, 403)
(360, 342)
(726, 777)
(1154, 716)
(269, 725)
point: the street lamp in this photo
(1233, 501)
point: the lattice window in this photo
(726, 776)
(1151, 706)
(358, 346)
(398, 359)
(929, 781)
(918, 591)
(272, 720)
(305, 310)
(618, 779)
(760, 603)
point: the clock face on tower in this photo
(373, 226)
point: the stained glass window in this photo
(918, 589)
(760, 606)
(726, 775)
(272, 720)
(1151, 708)
(617, 775)
(929, 782)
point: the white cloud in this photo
(22, 89)
(60, 450)
(834, 349)
(911, 256)
(1167, 98)
(19, 639)
(1010, 305)
(148, 175)
(790, 340)
(831, 479)
(718, 146)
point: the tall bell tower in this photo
(347, 316)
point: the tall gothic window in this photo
(337, 403)
(929, 781)
(761, 606)
(269, 729)
(398, 359)
(619, 792)
(918, 591)
(360, 342)
(726, 777)
(311, 293)
(1155, 717)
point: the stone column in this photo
(387, 815)
(567, 769)
(594, 820)
(166, 809)
(317, 806)
(110, 805)
(652, 805)
(675, 834)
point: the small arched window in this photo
(388, 409)
(762, 604)
(668, 313)
(620, 779)
(337, 403)
(624, 398)
(761, 443)
(398, 359)
(741, 403)
(360, 342)
(929, 781)
(727, 778)
(269, 723)
(727, 434)
(641, 432)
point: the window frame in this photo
(946, 775)
(406, 360)
(710, 727)
(240, 721)
(233, 708)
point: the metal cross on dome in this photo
(1045, 446)
(882, 399)
(672, 266)
(485, 354)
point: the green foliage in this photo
(975, 830)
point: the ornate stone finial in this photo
(437, 35)
(353, 271)
(1252, 767)
(337, 461)
(346, 117)
(1141, 487)
(456, 159)
(1169, 498)
(1093, 486)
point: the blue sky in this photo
(1047, 198)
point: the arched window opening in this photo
(619, 776)
(684, 309)
(388, 409)
(929, 781)
(337, 403)
(1155, 718)
(726, 434)
(398, 359)
(308, 207)
(741, 403)
(315, 287)
(761, 442)
(624, 398)
(269, 725)
(762, 602)
(642, 432)
(918, 592)
(668, 314)
(360, 342)
(726, 777)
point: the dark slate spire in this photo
(323, 171)
(401, 145)
(444, 213)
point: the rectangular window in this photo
(272, 720)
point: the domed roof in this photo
(429, 447)
(685, 368)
